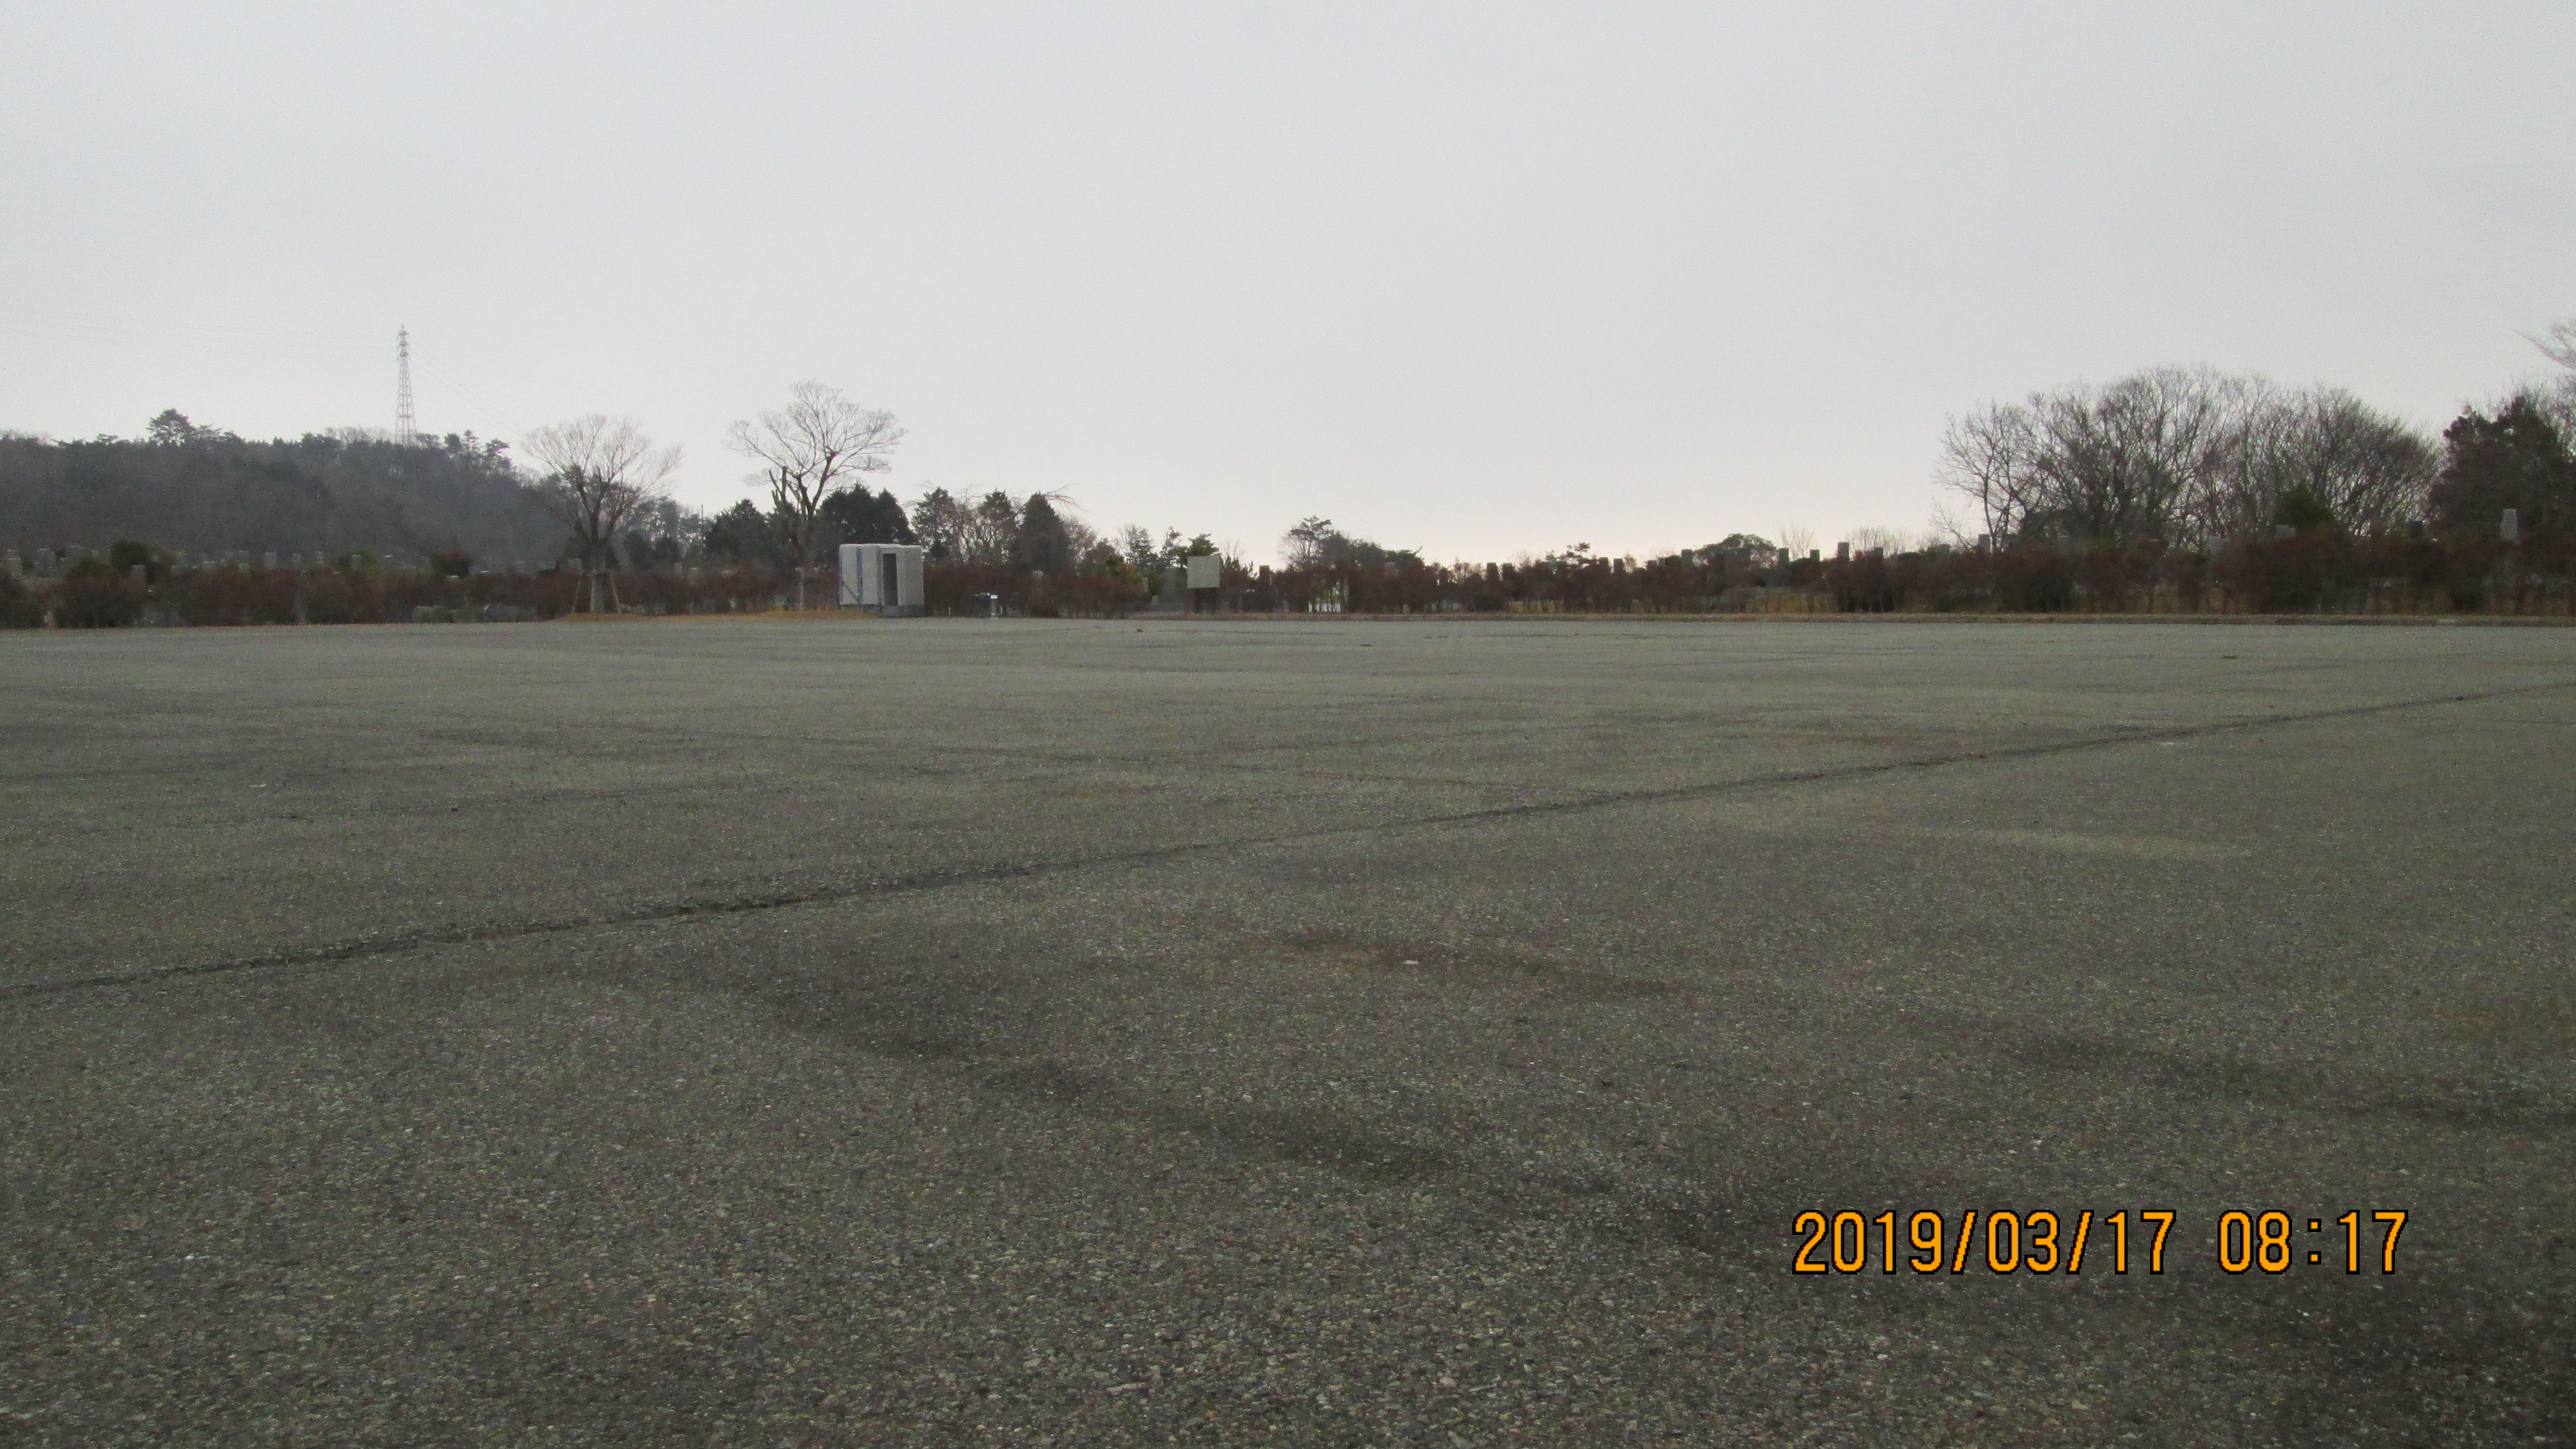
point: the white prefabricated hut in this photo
(882, 578)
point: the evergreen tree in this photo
(854, 515)
(1042, 545)
(2516, 459)
(743, 534)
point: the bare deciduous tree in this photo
(1992, 457)
(2368, 469)
(2125, 463)
(2181, 456)
(600, 473)
(1081, 540)
(804, 449)
(2558, 344)
(1309, 543)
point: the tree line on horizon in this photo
(2170, 471)
(2196, 459)
(206, 491)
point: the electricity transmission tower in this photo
(406, 431)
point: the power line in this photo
(492, 412)
(101, 328)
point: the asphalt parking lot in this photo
(1425, 1033)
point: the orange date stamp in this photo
(2046, 1241)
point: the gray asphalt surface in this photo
(1263, 1033)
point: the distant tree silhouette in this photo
(743, 534)
(202, 490)
(173, 430)
(804, 449)
(939, 522)
(854, 515)
(600, 473)
(2182, 457)
(1041, 545)
(2515, 459)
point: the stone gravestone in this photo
(2509, 528)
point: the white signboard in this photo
(1207, 571)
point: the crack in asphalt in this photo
(397, 943)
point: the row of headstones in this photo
(2508, 529)
(41, 563)
(46, 563)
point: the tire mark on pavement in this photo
(397, 943)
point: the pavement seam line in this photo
(397, 943)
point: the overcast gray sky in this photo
(1481, 278)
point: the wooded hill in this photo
(201, 491)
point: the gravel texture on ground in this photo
(1424, 1033)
